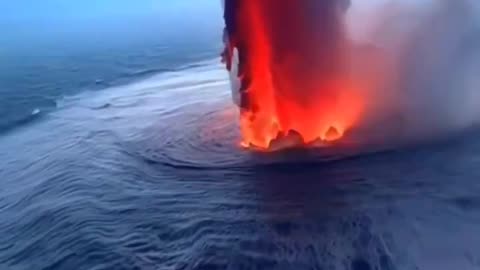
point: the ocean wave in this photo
(150, 176)
(18, 111)
(21, 120)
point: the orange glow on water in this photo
(284, 90)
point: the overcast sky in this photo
(51, 10)
(34, 20)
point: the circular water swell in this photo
(156, 180)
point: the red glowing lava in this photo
(293, 71)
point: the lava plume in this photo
(294, 77)
(312, 70)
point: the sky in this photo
(30, 26)
(23, 20)
(78, 10)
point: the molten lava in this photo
(293, 70)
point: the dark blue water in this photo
(36, 79)
(124, 155)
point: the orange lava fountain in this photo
(294, 71)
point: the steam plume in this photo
(320, 69)
(428, 58)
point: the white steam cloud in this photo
(420, 64)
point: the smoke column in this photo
(321, 70)
(424, 66)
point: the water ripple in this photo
(156, 180)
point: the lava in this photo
(293, 68)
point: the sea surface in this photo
(126, 156)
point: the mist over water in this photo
(421, 61)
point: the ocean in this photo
(124, 154)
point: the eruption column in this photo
(293, 69)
